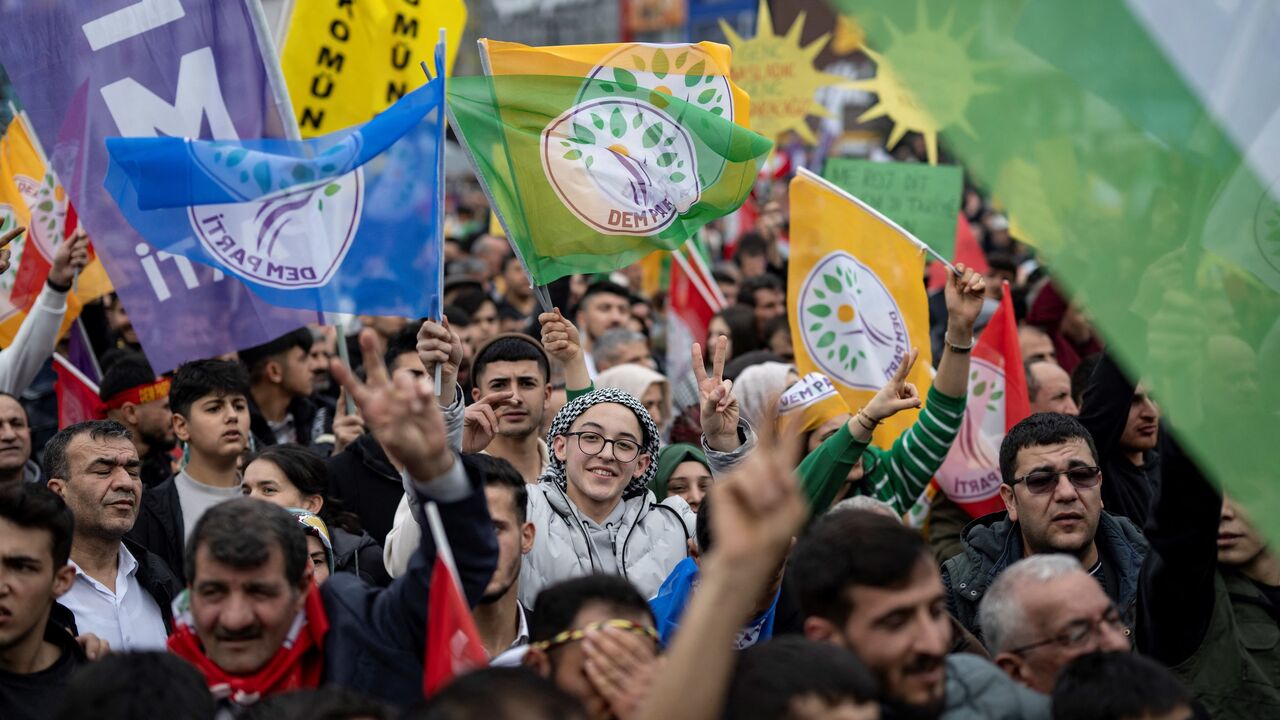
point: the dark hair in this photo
(769, 676)
(750, 245)
(602, 287)
(256, 358)
(1002, 261)
(507, 311)
(747, 291)
(34, 506)
(309, 473)
(17, 400)
(501, 693)
(403, 342)
(330, 702)
(741, 320)
(199, 378)
(55, 451)
(1114, 686)
(1039, 430)
(781, 322)
(847, 549)
(510, 347)
(702, 528)
(457, 316)
(130, 370)
(240, 533)
(472, 300)
(499, 473)
(1081, 376)
(124, 686)
(558, 605)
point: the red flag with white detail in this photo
(78, 399)
(453, 645)
(970, 474)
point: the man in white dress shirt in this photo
(121, 592)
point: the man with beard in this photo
(866, 582)
(1053, 498)
(121, 592)
(502, 621)
(137, 399)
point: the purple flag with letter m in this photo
(86, 71)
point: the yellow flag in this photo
(346, 62)
(30, 195)
(855, 296)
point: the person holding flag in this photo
(296, 635)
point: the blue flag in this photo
(348, 222)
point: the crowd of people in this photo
(248, 536)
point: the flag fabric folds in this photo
(855, 297)
(78, 399)
(594, 156)
(31, 196)
(349, 222)
(1136, 149)
(997, 400)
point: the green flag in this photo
(923, 199)
(595, 156)
(1138, 147)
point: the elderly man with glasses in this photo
(1052, 493)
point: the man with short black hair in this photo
(1053, 499)
(121, 593)
(792, 677)
(767, 295)
(511, 375)
(868, 583)
(38, 652)
(282, 378)
(604, 306)
(611, 673)
(502, 621)
(209, 399)
(501, 693)
(16, 464)
(1119, 686)
(256, 623)
(129, 686)
(137, 399)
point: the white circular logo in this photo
(851, 325)
(971, 471)
(294, 239)
(621, 166)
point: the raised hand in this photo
(347, 428)
(403, 415)
(480, 422)
(896, 395)
(560, 340)
(964, 294)
(439, 345)
(621, 665)
(5, 252)
(70, 257)
(718, 405)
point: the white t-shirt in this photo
(196, 497)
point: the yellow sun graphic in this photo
(778, 74)
(924, 81)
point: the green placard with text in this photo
(923, 199)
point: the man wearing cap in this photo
(137, 399)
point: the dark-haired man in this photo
(766, 294)
(1120, 686)
(281, 381)
(38, 653)
(210, 404)
(610, 673)
(1049, 388)
(137, 399)
(516, 368)
(502, 621)
(604, 306)
(1053, 498)
(121, 593)
(793, 678)
(866, 582)
(16, 464)
(257, 625)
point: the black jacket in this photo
(159, 527)
(39, 695)
(310, 421)
(359, 555)
(157, 579)
(1127, 489)
(367, 484)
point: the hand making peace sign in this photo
(718, 404)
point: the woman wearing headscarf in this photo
(683, 471)
(758, 388)
(645, 385)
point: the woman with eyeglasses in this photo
(292, 476)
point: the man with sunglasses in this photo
(1043, 612)
(1052, 494)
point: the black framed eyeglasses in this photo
(1043, 481)
(1078, 633)
(592, 443)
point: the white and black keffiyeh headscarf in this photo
(574, 409)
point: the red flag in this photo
(77, 395)
(693, 299)
(970, 474)
(967, 251)
(453, 645)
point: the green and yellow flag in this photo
(345, 62)
(594, 156)
(1137, 149)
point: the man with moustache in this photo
(137, 399)
(121, 592)
(1053, 504)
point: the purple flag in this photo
(86, 71)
